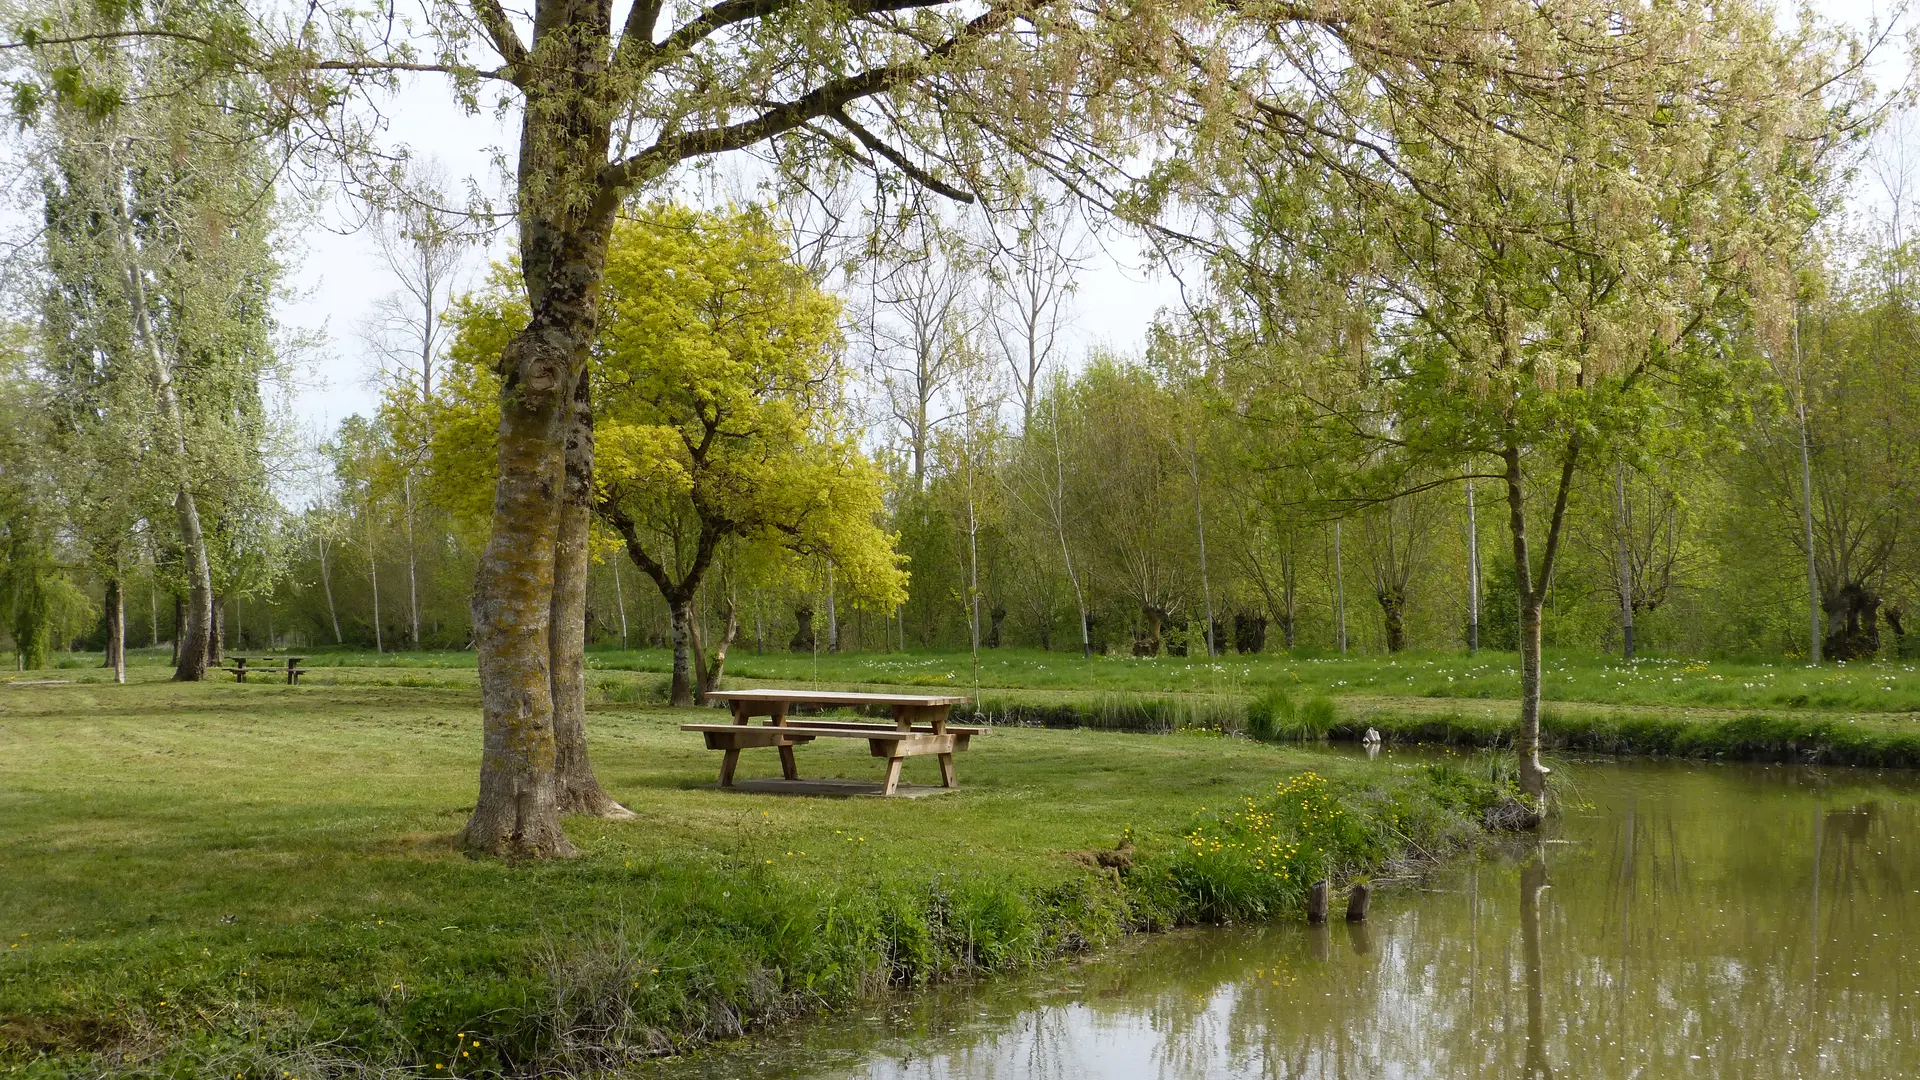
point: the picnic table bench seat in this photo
(919, 727)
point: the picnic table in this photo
(919, 726)
(292, 667)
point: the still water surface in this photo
(1684, 921)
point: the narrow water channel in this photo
(1684, 920)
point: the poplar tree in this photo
(161, 276)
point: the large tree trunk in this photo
(580, 791)
(566, 213)
(1393, 611)
(116, 604)
(1853, 621)
(191, 663)
(1154, 642)
(217, 633)
(803, 629)
(518, 812)
(680, 610)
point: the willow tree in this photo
(1533, 256)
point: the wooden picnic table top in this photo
(836, 697)
(289, 659)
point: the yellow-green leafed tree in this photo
(715, 385)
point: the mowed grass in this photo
(251, 869)
(1873, 686)
(1878, 686)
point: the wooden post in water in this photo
(1317, 901)
(1357, 902)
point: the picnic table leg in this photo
(946, 771)
(727, 762)
(789, 768)
(893, 775)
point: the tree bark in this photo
(1533, 594)
(833, 614)
(373, 577)
(1200, 530)
(1393, 610)
(518, 812)
(680, 609)
(326, 583)
(1620, 524)
(580, 791)
(116, 604)
(566, 210)
(1853, 621)
(216, 632)
(803, 629)
(190, 647)
(1473, 575)
(717, 664)
(413, 574)
(620, 601)
(1339, 593)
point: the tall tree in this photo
(1032, 275)
(715, 376)
(1559, 280)
(923, 333)
(161, 256)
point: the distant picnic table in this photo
(292, 668)
(919, 726)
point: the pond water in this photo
(1683, 921)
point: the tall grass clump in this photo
(1274, 716)
(1138, 713)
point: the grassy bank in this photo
(1873, 740)
(255, 881)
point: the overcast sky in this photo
(338, 276)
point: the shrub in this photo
(1256, 860)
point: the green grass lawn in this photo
(233, 880)
(1877, 686)
(1881, 686)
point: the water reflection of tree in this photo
(1681, 925)
(1533, 882)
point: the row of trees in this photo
(1445, 245)
(1082, 504)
